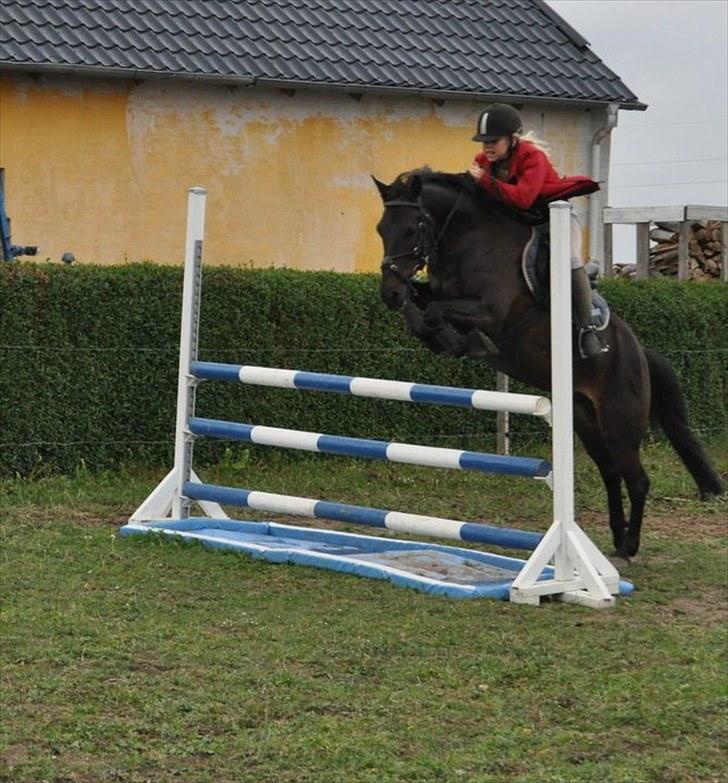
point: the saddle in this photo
(535, 266)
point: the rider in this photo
(516, 169)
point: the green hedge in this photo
(88, 359)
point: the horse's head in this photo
(407, 233)
(450, 225)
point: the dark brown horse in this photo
(475, 302)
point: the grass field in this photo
(144, 660)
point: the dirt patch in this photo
(14, 755)
(674, 525)
(709, 609)
(37, 517)
(711, 526)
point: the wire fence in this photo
(521, 431)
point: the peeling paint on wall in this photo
(101, 167)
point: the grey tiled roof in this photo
(441, 47)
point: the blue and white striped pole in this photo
(414, 524)
(428, 456)
(377, 388)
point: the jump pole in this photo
(565, 564)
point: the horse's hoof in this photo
(710, 497)
(619, 562)
(627, 550)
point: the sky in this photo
(673, 55)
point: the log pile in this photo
(705, 250)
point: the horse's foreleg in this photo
(585, 424)
(467, 316)
(439, 338)
(463, 314)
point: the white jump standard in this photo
(564, 563)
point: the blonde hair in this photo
(532, 138)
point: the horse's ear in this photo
(415, 187)
(382, 188)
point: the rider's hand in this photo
(475, 171)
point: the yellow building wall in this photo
(100, 167)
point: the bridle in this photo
(422, 247)
(426, 244)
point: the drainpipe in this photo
(596, 199)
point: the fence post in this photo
(608, 250)
(643, 250)
(503, 436)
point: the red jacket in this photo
(531, 176)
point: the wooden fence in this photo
(678, 219)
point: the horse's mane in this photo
(457, 184)
(426, 174)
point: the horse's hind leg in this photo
(638, 485)
(622, 434)
(585, 424)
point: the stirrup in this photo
(589, 343)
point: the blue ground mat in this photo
(431, 568)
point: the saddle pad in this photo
(535, 262)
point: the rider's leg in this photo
(589, 343)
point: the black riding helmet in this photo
(496, 121)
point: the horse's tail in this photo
(667, 407)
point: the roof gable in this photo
(468, 48)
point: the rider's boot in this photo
(588, 339)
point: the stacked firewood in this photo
(704, 262)
(704, 248)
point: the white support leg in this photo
(581, 573)
(160, 502)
